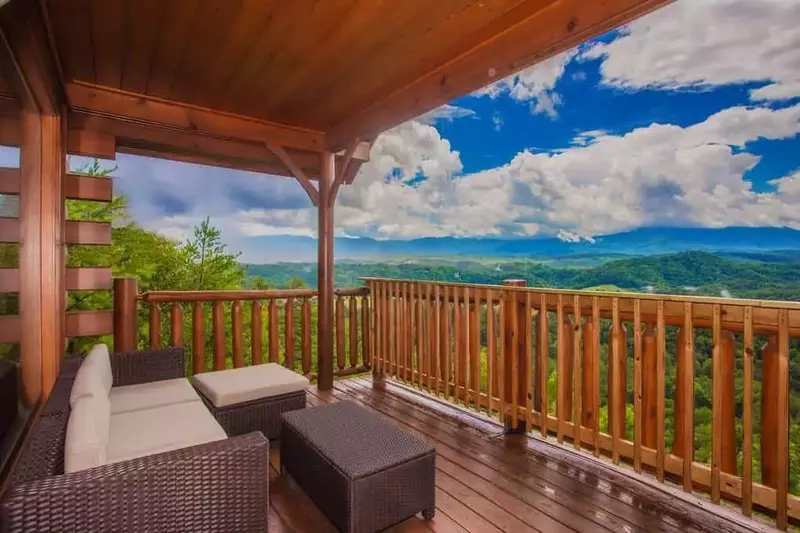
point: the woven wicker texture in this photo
(220, 487)
(262, 415)
(142, 367)
(355, 440)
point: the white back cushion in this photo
(87, 433)
(94, 375)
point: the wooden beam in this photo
(90, 323)
(9, 180)
(88, 279)
(91, 144)
(182, 117)
(190, 147)
(298, 174)
(341, 172)
(87, 232)
(79, 187)
(522, 37)
(9, 280)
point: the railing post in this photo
(325, 273)
(515, 347)
(126, 294)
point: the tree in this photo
(209, 264)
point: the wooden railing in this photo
(231, 329)
(500, 350)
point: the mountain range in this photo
(639, 242)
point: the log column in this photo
(325, 273)
(125, 317)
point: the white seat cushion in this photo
(94, 374)
(239, 385)
(151, 394)
(160, 429)
(87, 433)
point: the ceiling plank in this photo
(177, 23)
(98, 100)
(212, 27)
(108, 38)
(544, 33)
(73, 32)
(142, 27)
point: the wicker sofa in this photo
(220, 486)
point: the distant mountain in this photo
(739, 241)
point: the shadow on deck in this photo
(487, 483)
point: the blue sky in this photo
(688, 117)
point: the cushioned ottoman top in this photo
(239, 385)
(358, 442)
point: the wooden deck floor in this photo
(486, 482)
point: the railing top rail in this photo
(711, 300)
(241, 295)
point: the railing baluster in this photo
(528, 362)
(430, 334)
(475, 347)
(465, 344)
(445, 340)
(649, 421)
(176, 325)
(577, 379)
(491, 351)
(155, 326)
(683, 445)
(288, 358)
(616, 387)
(305, 332)
(769, 412)
(397, 313)
(236, 334)
(437, 340)
(412, 325)
(596, 377)
(501, 370)
(341, 361)
(366, 329)
(561, 370)
(198, 339)
(458, 348)
(274, 341)
(387, 332)
(782, 426)
(660, 349)
(512, 420)
(218, 332)
(588, 363)
(727, 377)
(747, 415)
(256, 332)
(544, 356)
(353, 340)
(637, 386)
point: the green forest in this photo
(203, 263)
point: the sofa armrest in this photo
(221, 486)
(132, 368)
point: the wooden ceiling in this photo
(312, 74)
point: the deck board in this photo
(486, 482)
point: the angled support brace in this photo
(298, 174)
(342, 171)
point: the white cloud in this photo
(535, 84)
(497, 120)
(705, 43)
(662, 174)
(446, 112)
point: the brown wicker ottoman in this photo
(362, 472)
(252, 398)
